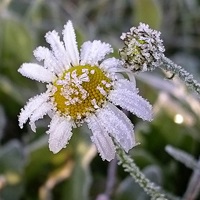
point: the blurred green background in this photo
(28, 170)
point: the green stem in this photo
(128, 164)
(185, 76)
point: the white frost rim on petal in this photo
(39, 114)
(69, 38)
(118, 125)
(60, 132)
(132, 102)
(113, 65)
(32, 105)
(93, 52)
(36, 72)
(101, 139)
(58, 49)
(50, 62)
(125, 84)
(128, 72)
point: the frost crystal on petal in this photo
(111, 64)
(143, 48)
(39, 113)
(32, 105)
(59, 133)
(132, 102)
(50, 62)
(125, 84)
(118, 125)
(69, 38)
(101, 139)
(58, 49)
(93, 52)
(36, 72)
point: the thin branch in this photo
(129, 166)
(185, 76)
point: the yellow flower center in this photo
(80, 91)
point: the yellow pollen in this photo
(81, 90)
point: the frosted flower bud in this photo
(143, 48)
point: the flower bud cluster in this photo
(143, 48)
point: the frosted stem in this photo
(185, 76)
(129, 166)
(193, 188)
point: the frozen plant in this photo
(83, 88)
(143, 48)
(144, 51)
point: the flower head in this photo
(83, 88)
(143, 48)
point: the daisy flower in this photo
(83, 88)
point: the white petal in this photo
(39, 113)
(118, 125)
(50, 62)
(92, 52)
(59, 133)
(125, 84)
(36, 72)
(101, 139)
(32, 105)
(114, 65)
(54, 122)
(129, 73)
(69, 38)
(58, 48)
(132, 102)
(111, 64)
